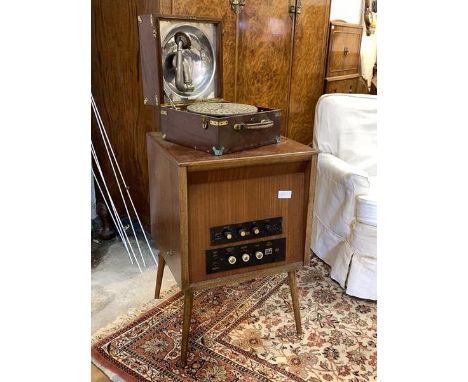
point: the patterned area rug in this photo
(247, 333)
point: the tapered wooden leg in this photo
(295, 301)
(188, 302)
(159, 275)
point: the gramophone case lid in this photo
(201, 57)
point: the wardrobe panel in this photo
(265, 43)
(309, 55)
(165, 7)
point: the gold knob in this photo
(232, 260)
(242, 232)
(255, 230)
(228, 235)
(245, 257)
(259, 255)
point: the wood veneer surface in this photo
(235, 195)
(264, 53)
(165, 7)
(285, 151)
(165, 208)
(308, 68)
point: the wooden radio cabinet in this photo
(221, 220)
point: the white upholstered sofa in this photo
(344, 228)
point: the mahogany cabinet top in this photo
(285, 151)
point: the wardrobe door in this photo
(216, 9)
(308, 67)
(264, 55)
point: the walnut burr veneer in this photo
(223, 220)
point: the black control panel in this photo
(244, 231)
(223, 259)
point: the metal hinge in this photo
(237, 5)
(295, 9)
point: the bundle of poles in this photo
(107, 197)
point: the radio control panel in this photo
(232, 233)
(223, 259)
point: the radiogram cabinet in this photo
(221, 220)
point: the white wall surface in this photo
(347, 10)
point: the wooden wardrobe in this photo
(274, 55)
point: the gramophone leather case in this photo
(181, 60)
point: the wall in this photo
(347, 10)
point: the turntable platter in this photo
(221, 108)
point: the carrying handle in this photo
(263, 124)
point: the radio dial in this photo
(259, 255)
(255, 230)
(245, 257)
(232, 260)
(242, 232)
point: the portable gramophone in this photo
(182, 75)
